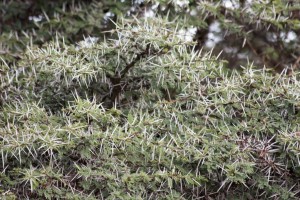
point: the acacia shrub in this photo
(145, 116)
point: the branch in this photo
(138, 57)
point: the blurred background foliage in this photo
(264, 32)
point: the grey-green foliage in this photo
(144, 116)
(264, 31)
(63, 18)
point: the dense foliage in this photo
(142, 113)
(264, 32)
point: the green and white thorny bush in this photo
(142, 115)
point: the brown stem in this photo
(117, 79)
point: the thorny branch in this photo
(117, 79)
